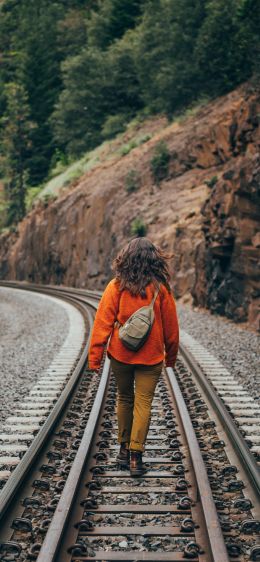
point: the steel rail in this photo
(218, 550)
(57, 526)
(57, 529)
(215, 534)
(18, 476)
(246, 458)
(60, 288)
(238, 442)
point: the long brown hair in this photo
(140, 263)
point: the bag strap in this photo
(151, 305)
(155, 296)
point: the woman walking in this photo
(141, 280)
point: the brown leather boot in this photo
(137, 468)
(123, 456)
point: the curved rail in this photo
(18, 476)
(246, 458)
(57, 526)
(216, 548)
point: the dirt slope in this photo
(211, 229)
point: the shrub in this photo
(48, 198)
(159, 164)
(138, 227)
(142, 139)
(126, 148)
(210, 183)
(31, 195)
(59, 162)
(113, 125)
(132, 181)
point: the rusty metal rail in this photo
(74, 519)
(215, 534)
(246, 459)
(186, 506)
(18, 477)
(57, 526)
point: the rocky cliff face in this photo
(227, 259)
(205, 212)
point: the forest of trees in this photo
(73, 72)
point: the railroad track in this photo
(199, 498)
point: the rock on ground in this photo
(32, 330)
(237, 348)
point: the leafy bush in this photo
(138, 227)
(59, 163)
(159, 164)
(114, 124)
(210, 183)
(144, 139)
(48, 198)
(126, 148)
(32, 193)
(132, 181)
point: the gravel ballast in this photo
(235, 347)
(32, 330)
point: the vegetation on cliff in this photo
(82, 69)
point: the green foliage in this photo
(192, 109)
(31, 195)
(132, 181)
(164, 53)
(16, 133)
(72, 32)
(219, 56)
(41, 76)
(59, 163)
(126, 148)
(101, 93)
(114, 124)
(112, 19)
(87, 67)
(73, 176)
(3, 214)
(79, 115)
(248, 36)
(210, 183)
(160, 162)
(35, 36)
(48, 198)
(138, 227)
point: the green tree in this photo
(40, 74)
(10, 56)
(35, 36)
(97, 85)
(111, 20)
(72, 32)
(124, 86)
(83, 103)
(15, 139)
(164, 52)
(248, 37)
(219, 56)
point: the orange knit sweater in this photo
(162, 342)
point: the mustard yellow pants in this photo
(136, 386)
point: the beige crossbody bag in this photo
(135, 331)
